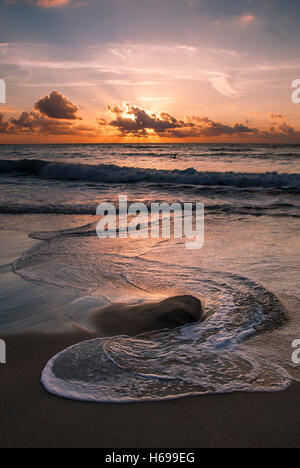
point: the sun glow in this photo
(126, 115)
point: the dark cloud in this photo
(53, 114)
(3, 125)
(33, 122)
(203, 126)
(57, 106)
(274, 116)
(287, 129)
(134, 121)
(114, 109)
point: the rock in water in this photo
(132, 320)
(176, 311)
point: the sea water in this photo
(246, 275)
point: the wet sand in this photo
(32, 418)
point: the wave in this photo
(275, 210)
(113, 174)
(196, 359)
(212, 356)
(206, 357)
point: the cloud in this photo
(4, 126)
(137, 122)
(247, 18)
(43, 3)
(287, 129)
(57, 106)
(274, 116)
(157, 99)
(52, 3)
(52, 115)
(222, 85)
(134, 120)
(203, 126)
(158, 70)
(33, 122)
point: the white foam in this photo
(202, 358)
(117, 174)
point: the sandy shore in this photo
(30, 417)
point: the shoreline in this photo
(32, 418)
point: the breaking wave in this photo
(118, 174)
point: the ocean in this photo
(246, 275)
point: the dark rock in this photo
(174, 312)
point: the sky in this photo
(155, 71)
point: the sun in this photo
(126, 115)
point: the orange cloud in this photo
(43, 3)
(274, 116)
(52, 3)
(137, 122)
(55, 116)
(247, 19)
